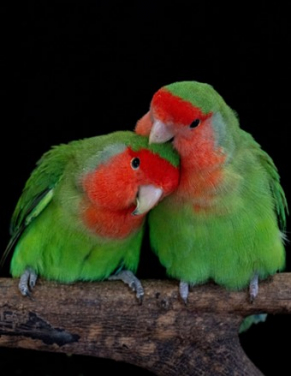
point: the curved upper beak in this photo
(160, 133)
(148, 196)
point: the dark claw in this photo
(24, 291)
(140, 299)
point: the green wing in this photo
(280, 200)
(37, 193)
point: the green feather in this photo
(46, 229)
(277, 190)
(239, 236)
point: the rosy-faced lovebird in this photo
(82, 211)
(226, 220)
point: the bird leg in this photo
(254, 287)
(27, 282)
(184, 291)
(131, 280)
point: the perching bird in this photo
(81, 213)
(221, 223)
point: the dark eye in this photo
(195, 123)
(135, 162)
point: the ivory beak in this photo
(159, 133)
(148, 196)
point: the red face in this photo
(114, 184)
(189, 127)
(173, 110)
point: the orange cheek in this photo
(110, 200)
(201, 167)
(111, 188)
(183, 144)
(197, 148)
(111, 224)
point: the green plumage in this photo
(227, 231)
(225, 250)
(240, 238)
(47, 230)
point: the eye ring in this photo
(194, 123)
(135, 162)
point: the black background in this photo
(78, 69)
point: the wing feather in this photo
(37, 193)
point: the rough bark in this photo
(163, 335)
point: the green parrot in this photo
(226, 220)
(82, 211)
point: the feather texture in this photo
(221, 223)
(73, 222)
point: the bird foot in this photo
(131, 280)
(27, 282)
(184, 291)
(254, 288)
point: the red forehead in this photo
(157, 170)
(168, 107)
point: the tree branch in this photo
(104, 319)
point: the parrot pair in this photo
(82, 211)
(225, 222)
(220, 215)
